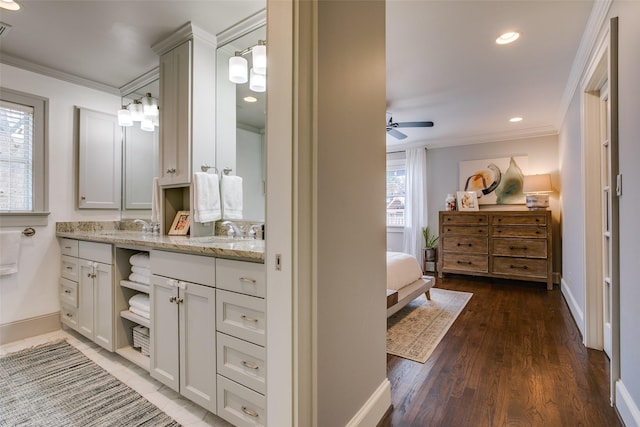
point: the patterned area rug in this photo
(57, 385)
(415, 331)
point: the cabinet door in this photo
(175, 99)
(103, 305)
(100, 154)
(198, 344)
(86, 298)
(164, 331)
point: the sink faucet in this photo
(254, 229)
(232, 229)
(146, 227)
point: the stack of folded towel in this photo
(140, 271)
(139, 304)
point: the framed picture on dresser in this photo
(467, 201)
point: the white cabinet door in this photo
(198, 344)
(175, 113)
(86, 298)
(103, 305)
(100, 158)
(164, 331)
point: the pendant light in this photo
(149, 105)
(237, 69)
(136, 111)
(259, 56)
(124, 117)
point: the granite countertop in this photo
(218, 246)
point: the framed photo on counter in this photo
(467, 201)
(181, 223)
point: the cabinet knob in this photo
(69, 315)
(83, 198)
(67, 291)
(172, 299)
(171, 170)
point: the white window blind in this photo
(396, 187)
(16, 157)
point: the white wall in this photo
(250, 166)
(33, 291)
(628, 387)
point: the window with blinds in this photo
(396, 185)
(16, 157)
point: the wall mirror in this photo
(240, 120)
(139, 157)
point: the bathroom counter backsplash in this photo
(115, 233)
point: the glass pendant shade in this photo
(237, 69)
(124, 117)
(136, 111)
(147, 124)
(257, 82)
(259, 56)
(149, 105)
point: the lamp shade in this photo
(537, 184)
(146, 124)
(259, 56)
(136, 111)
(237, 69)
(124, 117)
(257, 82)
(149, 105)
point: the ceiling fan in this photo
(393, 131)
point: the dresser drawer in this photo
(481, 230)
(244, 277)
(241, 316)
(472, 244)
(68, 292)
(527, 248)
(471, 263)
(524, 267)
(466, 219)
(241, 361)
(519, 219)
(69, 316)
(98, 252)
(69, 268)
(520, 231)
(68, 247)
(186, 267)
(239, 405)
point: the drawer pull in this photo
(468, 244)
(464, 262)
(67, 247)
(521, 267)
(172, 299)
(69, 268)
(249, 365)
(247, 280)
(69, 315)
(249, 319)
(249, 412)
(67, 291)
(524, 248)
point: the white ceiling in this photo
(442, 61)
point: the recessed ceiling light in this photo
(515, 119)
(9, 5)
(250, 99)
(507, 38)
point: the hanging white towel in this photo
(156, 196)
(231, 193)
(206, 188)
(9, 251)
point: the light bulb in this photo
(237, 69)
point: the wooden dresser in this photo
(505, 244)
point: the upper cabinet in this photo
(187, 104)
(99, 152)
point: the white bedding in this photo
(402, 269)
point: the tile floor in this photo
(180, 409)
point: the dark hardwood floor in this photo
(514, 357)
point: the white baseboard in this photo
(626, 406)
(574, 307)
(374, 408)
(27, 328)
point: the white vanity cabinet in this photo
(183, 344)
(241, 332)
(86, 290)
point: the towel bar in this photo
(29, 231)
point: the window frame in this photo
(39, 214)
(396, 161)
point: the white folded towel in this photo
(141, 259)
(140, 301)
(9, 251)
(140, 313)
(135, 277)
(206, 190)
(231, 193)
(156, 196)
(144, 271)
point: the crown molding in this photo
(143, 80)
(14, 61)
(188, 31)
(588, 43)
(243, 27)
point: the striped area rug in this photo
(57, 385)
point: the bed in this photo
(405, 277)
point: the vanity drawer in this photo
(69, 268)
(189, 268)
(98, 252)
(243, 277)
(69, 316)
(69, 247)
(527, 248)
(526, 231)
(465, 219)
(463, 262)
(241, 316)
(519, 219)
(68, 292)
(465, 230)
(239, 405)
(524, 267)
(241, 361)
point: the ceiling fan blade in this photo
(396, 134)
(414, 124)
